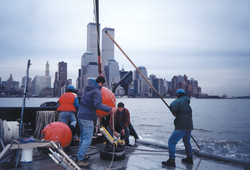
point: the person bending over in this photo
(67, 108)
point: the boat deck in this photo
(140, 156)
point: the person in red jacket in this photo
(67, 108)
(121, 123)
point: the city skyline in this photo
(62, 67)
(179, 37)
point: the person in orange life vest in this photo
(67, 108)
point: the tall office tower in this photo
(78, 79)
(159, 87)
(87, 57)
(165, 84)
(62, 70)
(39, 83)
(144, 86)
(47, 69)
(57, 85)
(9, 83)
(91, 72)
(112, 72)
(108, 46)
(92, 40)
(181, 78)
(195, 86)
(175, 83)
(185, 78)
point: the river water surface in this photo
(221, 126)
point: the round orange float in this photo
(108, 98)
(58, 131)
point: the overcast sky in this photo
(206, 40)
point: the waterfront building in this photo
(39, 83)
(10, 84)
(91, 72)
(195, 87)
(62, 70)
(47, 69)
(137, 88)
(180, 78)
(112, 73)
(143, 83)
(165, 84)
(159, 87)
(92, 45)
(107, 45)
(87, 57)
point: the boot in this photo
(73, 130)
(82, 163)
(127, 142)
(188, 160)
(169, 162)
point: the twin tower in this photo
(89, 66)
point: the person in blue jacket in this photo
(183, 126)
(91, 101)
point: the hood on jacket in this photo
(92, 85)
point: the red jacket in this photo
(67, 102)
(125, 117)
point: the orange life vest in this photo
(67, 102)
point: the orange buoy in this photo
(58, 131)
(108, 98)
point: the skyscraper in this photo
(112, 72)
(107, 45)
(62, 71)
(92, 40)
(47, 69)
(39, 83)
(159, 87)
(144, 84)
(87, 57)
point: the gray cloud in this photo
(207, 40)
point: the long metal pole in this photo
(24, 96)
(143, 77)
(96, 6)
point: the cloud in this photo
(203, 39)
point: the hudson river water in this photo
(221, 126)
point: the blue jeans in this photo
(64, 116)
(87, 128)
(118, 129)
(173, 140)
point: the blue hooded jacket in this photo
(91, 101)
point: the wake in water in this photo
(239, 150)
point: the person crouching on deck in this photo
(121, 123)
